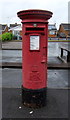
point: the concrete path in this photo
(53, 47)
(12, 78)
(52, 62)
(57, 96)
(12, 54)
(12, 45)
(13, 109)
(18, 44)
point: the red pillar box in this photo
(34, 56)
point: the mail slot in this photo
(34, 56)
(35, 29)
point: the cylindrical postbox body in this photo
(34, 56)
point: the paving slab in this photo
(12, 45)
(12, 54)
(12, 78)
(16, 62)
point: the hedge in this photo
(0, 37)
(7, 36)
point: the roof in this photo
(66, 26)
(14, 25)
(17, 28)
(3, 27)
(52, 27)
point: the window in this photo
(52, 32)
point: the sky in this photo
(9, 9)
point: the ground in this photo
(57, 88)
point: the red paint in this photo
(34, 62)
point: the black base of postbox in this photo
(34, 98)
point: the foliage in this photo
(7, 36)
(0, 37)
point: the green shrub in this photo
(0, 37)
(7, 36)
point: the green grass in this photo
(16, 40)
(48, 40)
(58, 40)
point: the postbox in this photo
(34, 56)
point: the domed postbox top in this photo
(34, 14)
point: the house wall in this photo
(52, 35)
(20, 33)
(6, 30)
(67, 32)
(61, 30)
(10, 31)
